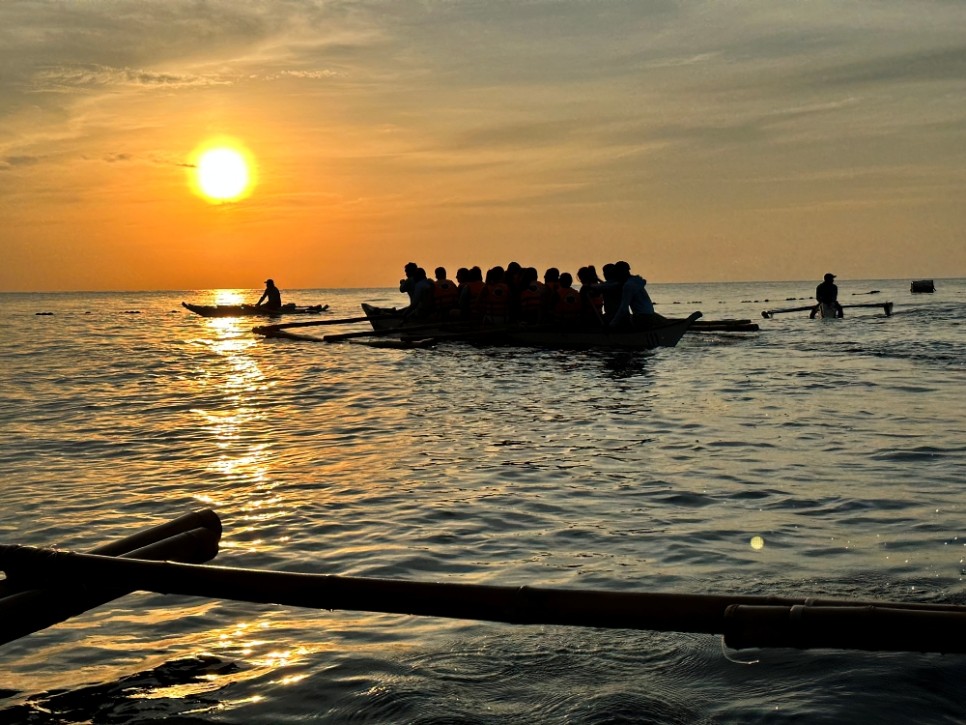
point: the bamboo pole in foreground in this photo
(744, 620)
(28, 610)
(203, 518)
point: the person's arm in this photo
(261, 299)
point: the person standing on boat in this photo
(635, 307)
(271, 296)
(827, 293)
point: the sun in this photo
(222, 171)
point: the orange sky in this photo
(701, 142)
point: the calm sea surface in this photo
(841, 443)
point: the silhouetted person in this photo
(445, 293)
(531, 303)
(422, 296)
(591, 295)
(635, 305)
(827, 293)
(408, 285)
(271, 296)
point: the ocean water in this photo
(839, 444)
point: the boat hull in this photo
(827, 310)
(664, 333)
(252, 310)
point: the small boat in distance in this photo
(252, 310)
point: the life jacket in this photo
(494, 301)
(531, 301)
(470, 297)
(568, 304)
(445, 294)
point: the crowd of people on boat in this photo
(517, 294)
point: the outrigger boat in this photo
(253, 310)
(391, 325)
(46, 586)
(391, 322)
(827, 310)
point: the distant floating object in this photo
(43, 313)
(923, 285)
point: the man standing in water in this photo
(272, 295)
(827, 293)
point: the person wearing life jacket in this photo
(569, 305)
(494, 300)
(591, 296)
(445, 294)
(551, 281)
(514, 279)
(470, 293)
(531, 296)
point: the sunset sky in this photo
(699, 140)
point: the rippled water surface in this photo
(840, 444)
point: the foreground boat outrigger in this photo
(47, 576)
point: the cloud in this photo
(11, 162)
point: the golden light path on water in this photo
(243, 455)
(245, 471)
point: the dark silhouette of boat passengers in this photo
(272, 295)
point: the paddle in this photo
(269, 329)
(768, 313)
(745, 620)
(725, 327)
(401, 330)
(886, 306)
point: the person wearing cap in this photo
(828, 293)
(271, 296)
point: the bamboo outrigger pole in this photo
(744, 620)
(193, 537)
(269, 330)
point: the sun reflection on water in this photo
(228, 297)
(242, 652)
(232, 386)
